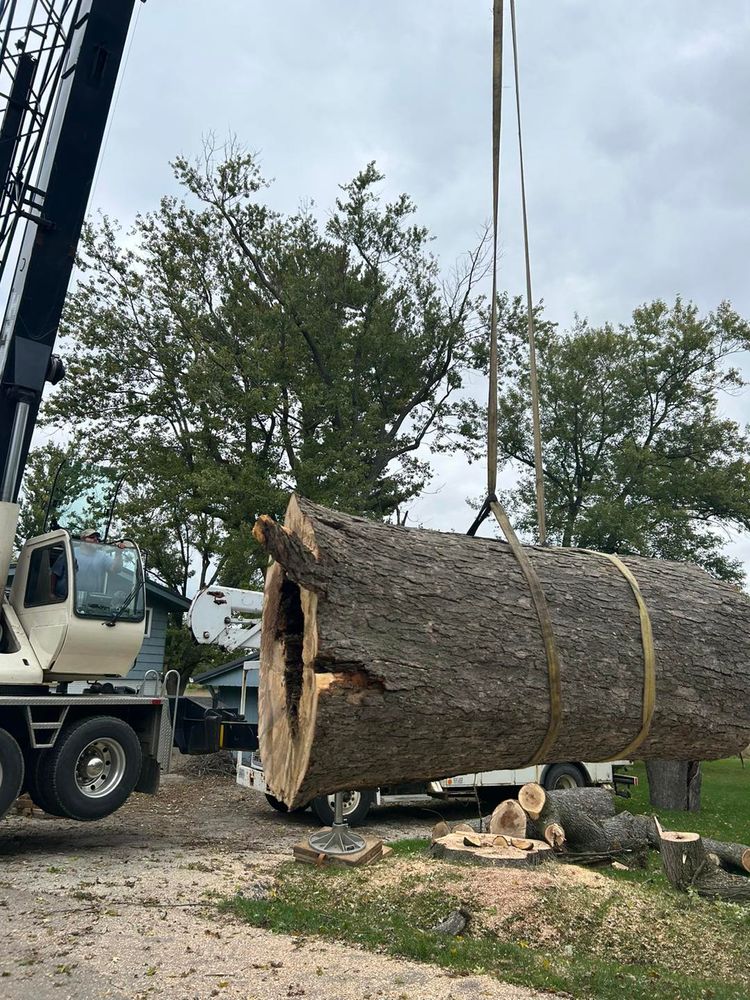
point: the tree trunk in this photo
(674, 784)
(603, 831)
(687, 865)
(393, 654)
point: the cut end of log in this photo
(508, 819)
(677, 836)
(294, 678)
(554, 835)
(531, 798)
(746, 860)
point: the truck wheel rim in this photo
(351, 801)
(100, 768)
(566, 781)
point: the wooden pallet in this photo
(374, 850)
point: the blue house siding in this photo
(151, 656)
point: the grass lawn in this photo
(604, 934)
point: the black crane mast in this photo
(59, 62)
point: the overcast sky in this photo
(636, 132)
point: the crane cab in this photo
(80, 605)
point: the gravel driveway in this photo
(122, 908)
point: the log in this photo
(392, 654)
(687, 865)
(731, 857)
(572, 815)
(531, 799)
(508, 819)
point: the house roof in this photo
(226, 668)
(166, 595)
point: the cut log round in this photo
(362, 683)
(454, 848)
(522, 843)
(508, 819)
(440, 829)
(531, 798)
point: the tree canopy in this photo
(637, 456)
(222, 354)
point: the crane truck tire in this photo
(36, 764)
(92, 769)
(11, 771)
(356, 807)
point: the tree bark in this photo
(392, 654)
(674, 784)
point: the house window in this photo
(147, 632)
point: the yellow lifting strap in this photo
(535, 587)
(649, 654)
(548, 636)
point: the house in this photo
(160, 601)
(225, 683)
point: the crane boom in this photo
(62, 116)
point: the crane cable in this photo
(534, 383)
(491, 504)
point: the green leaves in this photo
(637, 456)
(223, 354)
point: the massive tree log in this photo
(393, 654)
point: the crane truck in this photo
(72, 622)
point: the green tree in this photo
(223, 354)
(637, 456)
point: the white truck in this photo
(230, 618)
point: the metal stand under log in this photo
(339, 839)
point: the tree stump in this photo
(687, 865)
(392, 654)
(486, 851)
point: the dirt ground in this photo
(124, 908)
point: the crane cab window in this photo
(47, 582)
(108, 581)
